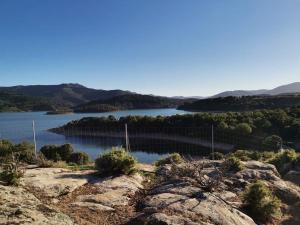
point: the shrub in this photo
(60, 164)
(172, 158)
(57, 152)
(115, 162)
(272, 142)
(233, 164)
(265, 156)
(25, 152)
(260, 202)
(245, 155)
(80, 158)
(43, 162)
(216, 156)
(243, 128)
(11, 174)
(285, 161)
(65, 151)
(5, 148)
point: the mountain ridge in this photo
(71, 95)
(282, 89)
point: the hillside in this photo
(65, 97)
(12, 102)
(68, 94)
(50, 97)
(243, 103)
(289, 88)
(283, 89)
(239, 93)
(132, 101)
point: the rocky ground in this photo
(60, 196)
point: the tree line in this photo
(245, 127)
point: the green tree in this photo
(243, 128)
(272, 142)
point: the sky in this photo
(162, 47)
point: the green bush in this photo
(285, 161)
(57, 152)
(233, 164)
(6, 148)
(216, 156)
(25, 152)
(245, 155)
(260, 202)
(65, 151)
(80, 158)
(60, 164)
(243, 128)
(115, 162)
(272, 142)
(43, 162)
(172, 158)
(11, 174)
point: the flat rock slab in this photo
(55, 182)
(18, 206)
(110, 198)
(130, 183)
(184, 204)
(114, 192)
(146, 167)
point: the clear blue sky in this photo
(165, 47)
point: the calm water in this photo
(17, 127)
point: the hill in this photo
(67, 94)
(65, 97)
(289, 88)
(239, 93)
(13, 102)
(284, 89)
(131, 101)
(50, 97)
(243, 103)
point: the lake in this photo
(17, 127)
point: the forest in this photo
(242, 129)
(243, 103)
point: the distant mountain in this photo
(51, 97)
(284, 89)
(66, 97)
(187, 97)
(289, 88)
(131, 101)
(63, 97)
(239, 93)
